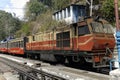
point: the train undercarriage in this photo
(74, 58)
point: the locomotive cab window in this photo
(82, 30)
(97, 27)
(107, 28)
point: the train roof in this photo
(68, 6)
(16, 39)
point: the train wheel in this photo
(72, 60)
(28, 56)
(37, 56)
(60, 59)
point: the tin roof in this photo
(68, 6)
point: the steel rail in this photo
(29, 71)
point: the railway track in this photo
(48, 72)
(28, 73)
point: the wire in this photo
(12, 8)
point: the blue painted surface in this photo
(111, 61)
(118, 48)
(118, 44)
(78, 11)
(75, 12)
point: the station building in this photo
(70, 14)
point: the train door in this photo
(63, 39)
(81, 32)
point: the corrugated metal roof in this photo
(68, 6)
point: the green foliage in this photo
(36, 7)
(8, 24)
(33, 9)
(39, 13)
(46, 2)
(59, 4)
(25, 28)
(107, 10)
(44, 22)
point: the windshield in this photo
(97, 27)
(107, 28)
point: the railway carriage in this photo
(16, 46)
(3, 47)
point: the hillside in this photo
(8, 25)
(38, 16)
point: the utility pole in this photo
(117, 29)
(116, 15)
(91, 7)
(90, 3)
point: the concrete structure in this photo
(70, 14)
(115, 74)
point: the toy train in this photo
(88, 40)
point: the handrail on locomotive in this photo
(117, 35)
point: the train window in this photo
(59, 39)
(66, 35)
(107, 28)
(33, 38)
(21, 44)
(15, 44)
(18, 44)
(66, 39)
(97, 27)
(82, 30)
(63, 39)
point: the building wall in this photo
(70, 14)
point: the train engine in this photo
(88, 40)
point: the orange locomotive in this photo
(86, 41)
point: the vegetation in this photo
(59, 4)
(38, 16)
(8, 24)
(108, 10)
(34, 8)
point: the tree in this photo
(59, 4)
(107, 10)
(46, 2)
(34, 8)
(8, 24)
